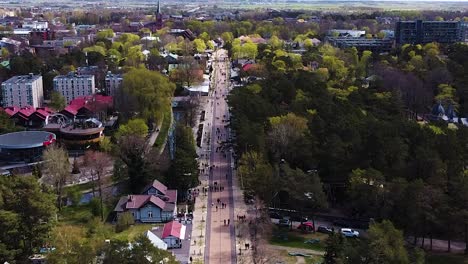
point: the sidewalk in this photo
(198, 242)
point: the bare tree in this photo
(57, 170)
(192, 108)
(188, 73)
(97, 162)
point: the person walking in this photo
(224, 221)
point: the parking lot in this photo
(321, 222)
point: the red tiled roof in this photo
(86, 101)
(43, 112)
(172, 195)
(25, 112)
(173, 228)
(159, 186)
(137, 201)
(11, 110)
(72, 109)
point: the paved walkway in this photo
(220, 236)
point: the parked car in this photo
(283, 222)
(307, 226)
(348, 232)
(325, 229)
(275, 215)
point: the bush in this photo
(124, 222)
(74, 194)
(95, 205)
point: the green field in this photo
(297, 239)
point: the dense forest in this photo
(365, 124)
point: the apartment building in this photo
(73, 85)
(422, 32)
(113, 83)
(23, 90)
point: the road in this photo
(220, 236)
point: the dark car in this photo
(275, 215)
(325, 229)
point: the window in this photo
(150, 214)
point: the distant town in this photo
(218, 132)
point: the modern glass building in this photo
(422, 32)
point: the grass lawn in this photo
(164, 131)
(445, 259)
(286, 258)
(296, 239)
(134, 231)
(75, 215)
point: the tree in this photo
(97, 163)
(257, 174)
(97, 49)
(57, 101)
(7, 125)
(188, 73)
(304, 191)
(57, 170)
(140, 251)
(227, 36)
(447, 95)
(286, 131)
(334, 249)
(275, 43)
(27, 215)
(191, 110)
(200, 45)
(183, 173)
(148, 92)
(366, 191)
(386, 244)
(124, 221)
(104, 34)
(134, 127)
(132, 153)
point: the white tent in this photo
(155, 240)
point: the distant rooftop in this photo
(22, 79)
(74, 75)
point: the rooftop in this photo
(73, 75)
(174, 229)
(22, 79)
(25, 139)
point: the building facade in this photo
(72, 85)
(113, 83)
(375, 45)
(23, 90)
(422, 32)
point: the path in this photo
(220, 236)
